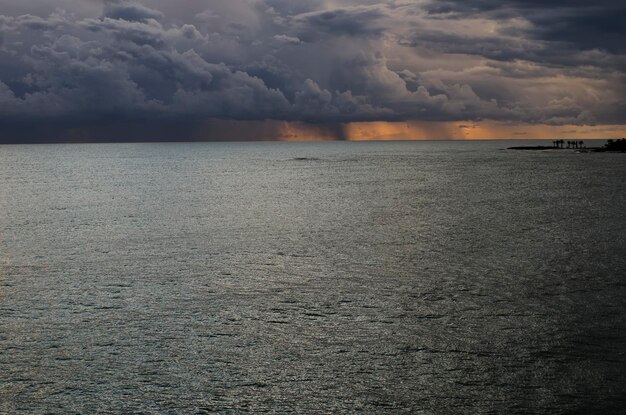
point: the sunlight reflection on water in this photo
(304, 278)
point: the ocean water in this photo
(398, 277)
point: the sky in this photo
(118, 70)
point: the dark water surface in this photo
(435, 278)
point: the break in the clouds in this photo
(165, 67)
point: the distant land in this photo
(618, 146)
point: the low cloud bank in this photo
(151, 66)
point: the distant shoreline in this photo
(587, 149)
(611, 146)
(574, 150)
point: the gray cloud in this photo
(353, 21)
(582, 24)
(439, 60)
(131, 11)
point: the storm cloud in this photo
(156, 63)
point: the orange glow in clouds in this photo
(484, 130)
(410, 130)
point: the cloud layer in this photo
(322, 61)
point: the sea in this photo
(311, 278)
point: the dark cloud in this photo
(584, 24)
(355, 21)
(596, 28)
(153, 63)
(130, 11)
